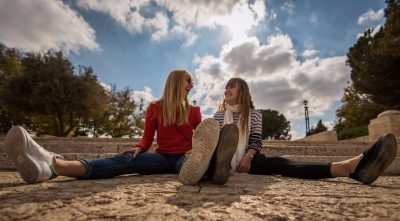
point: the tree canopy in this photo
(375, 78)
(42, 92)
(274, 124)
(320, 127)
(357, 110)
(388, 42)
(375, 72)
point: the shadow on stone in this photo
(208, 195)
(63, 188)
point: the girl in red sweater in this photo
(172, 117)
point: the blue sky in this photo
(287, 51)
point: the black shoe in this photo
(221, 162)
(376, 159)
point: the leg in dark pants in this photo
(269, 165)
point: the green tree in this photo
(52, 95)
(10, 65)
(357, 110)
(138, 117)
(124, 116)
(274, 124)
(388, 42)
(320, 127)
(374, 61)
(375, 73)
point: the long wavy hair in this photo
(174, 104)
(244, 101)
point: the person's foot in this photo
(33, 162)
(204, 141)
(221, 162)
(376, 159)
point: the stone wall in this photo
(386, 122)
(323, 136)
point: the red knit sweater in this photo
(172, 139)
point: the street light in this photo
(305, 102)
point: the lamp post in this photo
(305, 102)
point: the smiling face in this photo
(231, 94)
(187, 85)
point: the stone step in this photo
(74, 147)
(81, 139)
(101, 145)
(77, 146)
(317, 143)
(394, 168)
(338, 150)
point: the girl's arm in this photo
(254, 144)
(150, 127)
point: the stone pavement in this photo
(162, 197)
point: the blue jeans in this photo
(144, 163)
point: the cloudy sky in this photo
(287, 51)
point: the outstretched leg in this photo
(366, 167)
(268, 165)
(35, 164)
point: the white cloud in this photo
(127, 14)
(42, 25)
(106, 87)
(146, 95)
(276, 78)
(190, 36)
(295, 135)
(328, 124)
(370, 15)
(238, 15)
(136, 95)
(309, 52)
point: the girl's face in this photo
(187, 86)
(231, 94)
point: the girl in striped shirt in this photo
(237, 108)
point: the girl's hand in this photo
(134, 150)
(244, 165)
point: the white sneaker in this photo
(204, 141)
(34, 163)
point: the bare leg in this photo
(344, 168)
(72, 168)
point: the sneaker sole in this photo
(16, 148)
(224, 152)
(204, 142)
(385, 157)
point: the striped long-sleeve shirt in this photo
(255, 127)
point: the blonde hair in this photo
(174, 104)
(244, 101)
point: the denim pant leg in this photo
(179, 163)
(144, 163)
